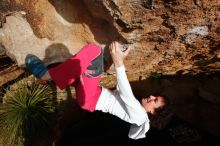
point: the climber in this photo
(83, 70)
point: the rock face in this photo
(8, 69)
(166, 36)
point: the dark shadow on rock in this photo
(56, 53)
(105, 129)
(193, 97)
(97, 129)
(186, 127)
(77, 12)
(205, 62)
(68, 110)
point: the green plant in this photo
(25, 115)
(156, 75)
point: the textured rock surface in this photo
(166, 36)
(8, 69)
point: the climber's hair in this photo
(163, 115)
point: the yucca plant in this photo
(25, 114)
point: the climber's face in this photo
(152, 103)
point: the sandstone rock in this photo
(164, 35)
(8, 68)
